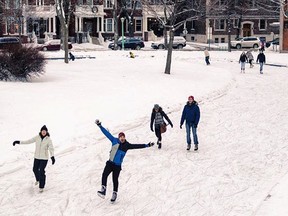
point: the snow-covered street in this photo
(243, 136)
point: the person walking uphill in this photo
(157, 117)
(191, 114)
(207, 56)
(243, 59)
(262, 60)
(43, 144)
(120, 146)
(250, 58)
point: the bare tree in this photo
(172, 14)
(64, 11)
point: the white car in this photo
(246, 42)
(178, 43)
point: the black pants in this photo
(207, 60)
(158, 132)
(39, 171)
(111, 167)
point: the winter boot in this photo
(159, 145)
(114, 196)
(188, 147)
(102, 192)
(37, 182)
(196, 147)
(41, 190)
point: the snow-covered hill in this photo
(243, 135)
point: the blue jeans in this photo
(261, 66)
(188, 133)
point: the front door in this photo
(246, 30)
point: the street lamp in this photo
(122, 26)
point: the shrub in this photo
(21, 63)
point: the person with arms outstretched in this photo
(120, 146)
(43, 144)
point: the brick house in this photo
(246, 20)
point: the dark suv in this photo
(6, 42)
(129, 43)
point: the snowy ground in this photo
(243, 136)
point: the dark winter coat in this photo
(118, 150)
(261, 58)
(191, 113)
(163, 114)
(243, 58)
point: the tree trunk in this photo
(165, 37)
(169, 53)
(115, 28)
(65, 42)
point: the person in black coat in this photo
(157, 118)
(242, 60)
(262, 60)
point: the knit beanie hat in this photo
(156, 106)
(121, 134)
(44, 128)
(191, 97)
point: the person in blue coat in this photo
(120, 146)
(191, 116)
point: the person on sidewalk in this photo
(43, 144)
(191, 114)
(262, 60)
(157, 118)
(120, 146)
(131, 55)
(250, 58)
(243, 59)
(207, 56)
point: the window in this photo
(108, 4)
(128, 4)
(108, 25)
(193, 25)
(12, 25)
(262, 24)
(40, 2)
(192, 38)
(219, 24)
(216, 40)
(235, 23)
(138, 4)
(138, 25)
(222, 40)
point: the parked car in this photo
(273, 42)
(178, 43)
(129, 43)
(6, 42)
(52, 45)
(246, 42)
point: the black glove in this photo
(16, 142)
(180, 126)
(150, 144)
(152, 129)
(195, 125)
(171, 125)
(97, 122)
(53, 160)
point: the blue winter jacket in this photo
(118, 150)
(191, 113)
